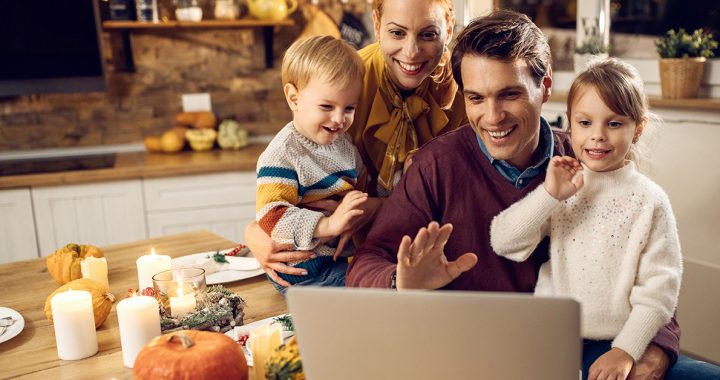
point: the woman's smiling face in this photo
(412, 35)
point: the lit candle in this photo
(182, 304)
(150, 265)
(74, 324)
(96, 269)
(139, 322)
(263, 340)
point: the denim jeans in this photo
(684, 369)
(332, 274)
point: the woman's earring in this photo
(635, 138)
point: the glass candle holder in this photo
(178, 289)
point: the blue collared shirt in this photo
(513, 174)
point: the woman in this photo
(408, 98)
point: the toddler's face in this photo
(600, 138)
(323, 110)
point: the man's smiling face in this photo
(503, 105)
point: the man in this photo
(460, 181)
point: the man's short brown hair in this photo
(504, 35)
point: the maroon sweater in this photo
(452, 181)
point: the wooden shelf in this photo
(205, 24)
(127, 27)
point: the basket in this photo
(681, 77)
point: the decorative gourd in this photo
(64, 264)
(284, 362)
(201, 139)
(102, 299)
(231, 135)
(196, 119)
(191, 354)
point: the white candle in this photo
(96, 269)
(139, 322)
(150, 265)
(74, 324)
(182, 304)
(263, 340)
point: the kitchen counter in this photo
(135, 165)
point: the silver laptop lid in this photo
(346, 333)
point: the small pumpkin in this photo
(64, 264)
(284, 362)
(102, 299)
(191, 354)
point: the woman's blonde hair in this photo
(322, 56)
(621, 89)
(442, 75)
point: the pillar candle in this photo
(263, 340)
(96, 269)
(139, 322)
(182, 304)
(74, 324)
(150, 265)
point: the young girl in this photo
(613, 239)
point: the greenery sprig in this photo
(681, 44)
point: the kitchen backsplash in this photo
(227, 63)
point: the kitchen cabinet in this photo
(220, 203)
(17, 228)
(97, 213)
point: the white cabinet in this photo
(220, 203)
(17, 230)
(97, 213)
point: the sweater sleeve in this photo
(516, 232)
(654, 296)
(277, 198)
(408, 208)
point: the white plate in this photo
(245, 329)
(14, 330)
(217, 277)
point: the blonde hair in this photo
(442, 75)
(321, 56)
(621, 89)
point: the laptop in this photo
(372, 334)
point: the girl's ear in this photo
(291, 95)
(639, 130)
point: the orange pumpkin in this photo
(102, 299)
(191, 354)
(64, 264)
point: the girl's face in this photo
(412, 35)
(600, 138)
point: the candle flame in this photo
(134, 294)
(69, 289)
(152, 251)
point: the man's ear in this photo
(547, 85)
(291, 95)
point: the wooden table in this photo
(25, 285)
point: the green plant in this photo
(681, 44)
(592, 45)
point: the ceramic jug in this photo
(271, 9)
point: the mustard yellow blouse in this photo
(387, 127)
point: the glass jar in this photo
(188, 10)
(227, 9)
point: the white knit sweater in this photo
(613, 246)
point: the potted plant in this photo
(682, 61)
(592, 46)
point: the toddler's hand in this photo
(341, 218)
(564, 177)
(614, 364)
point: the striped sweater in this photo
(294, 171)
